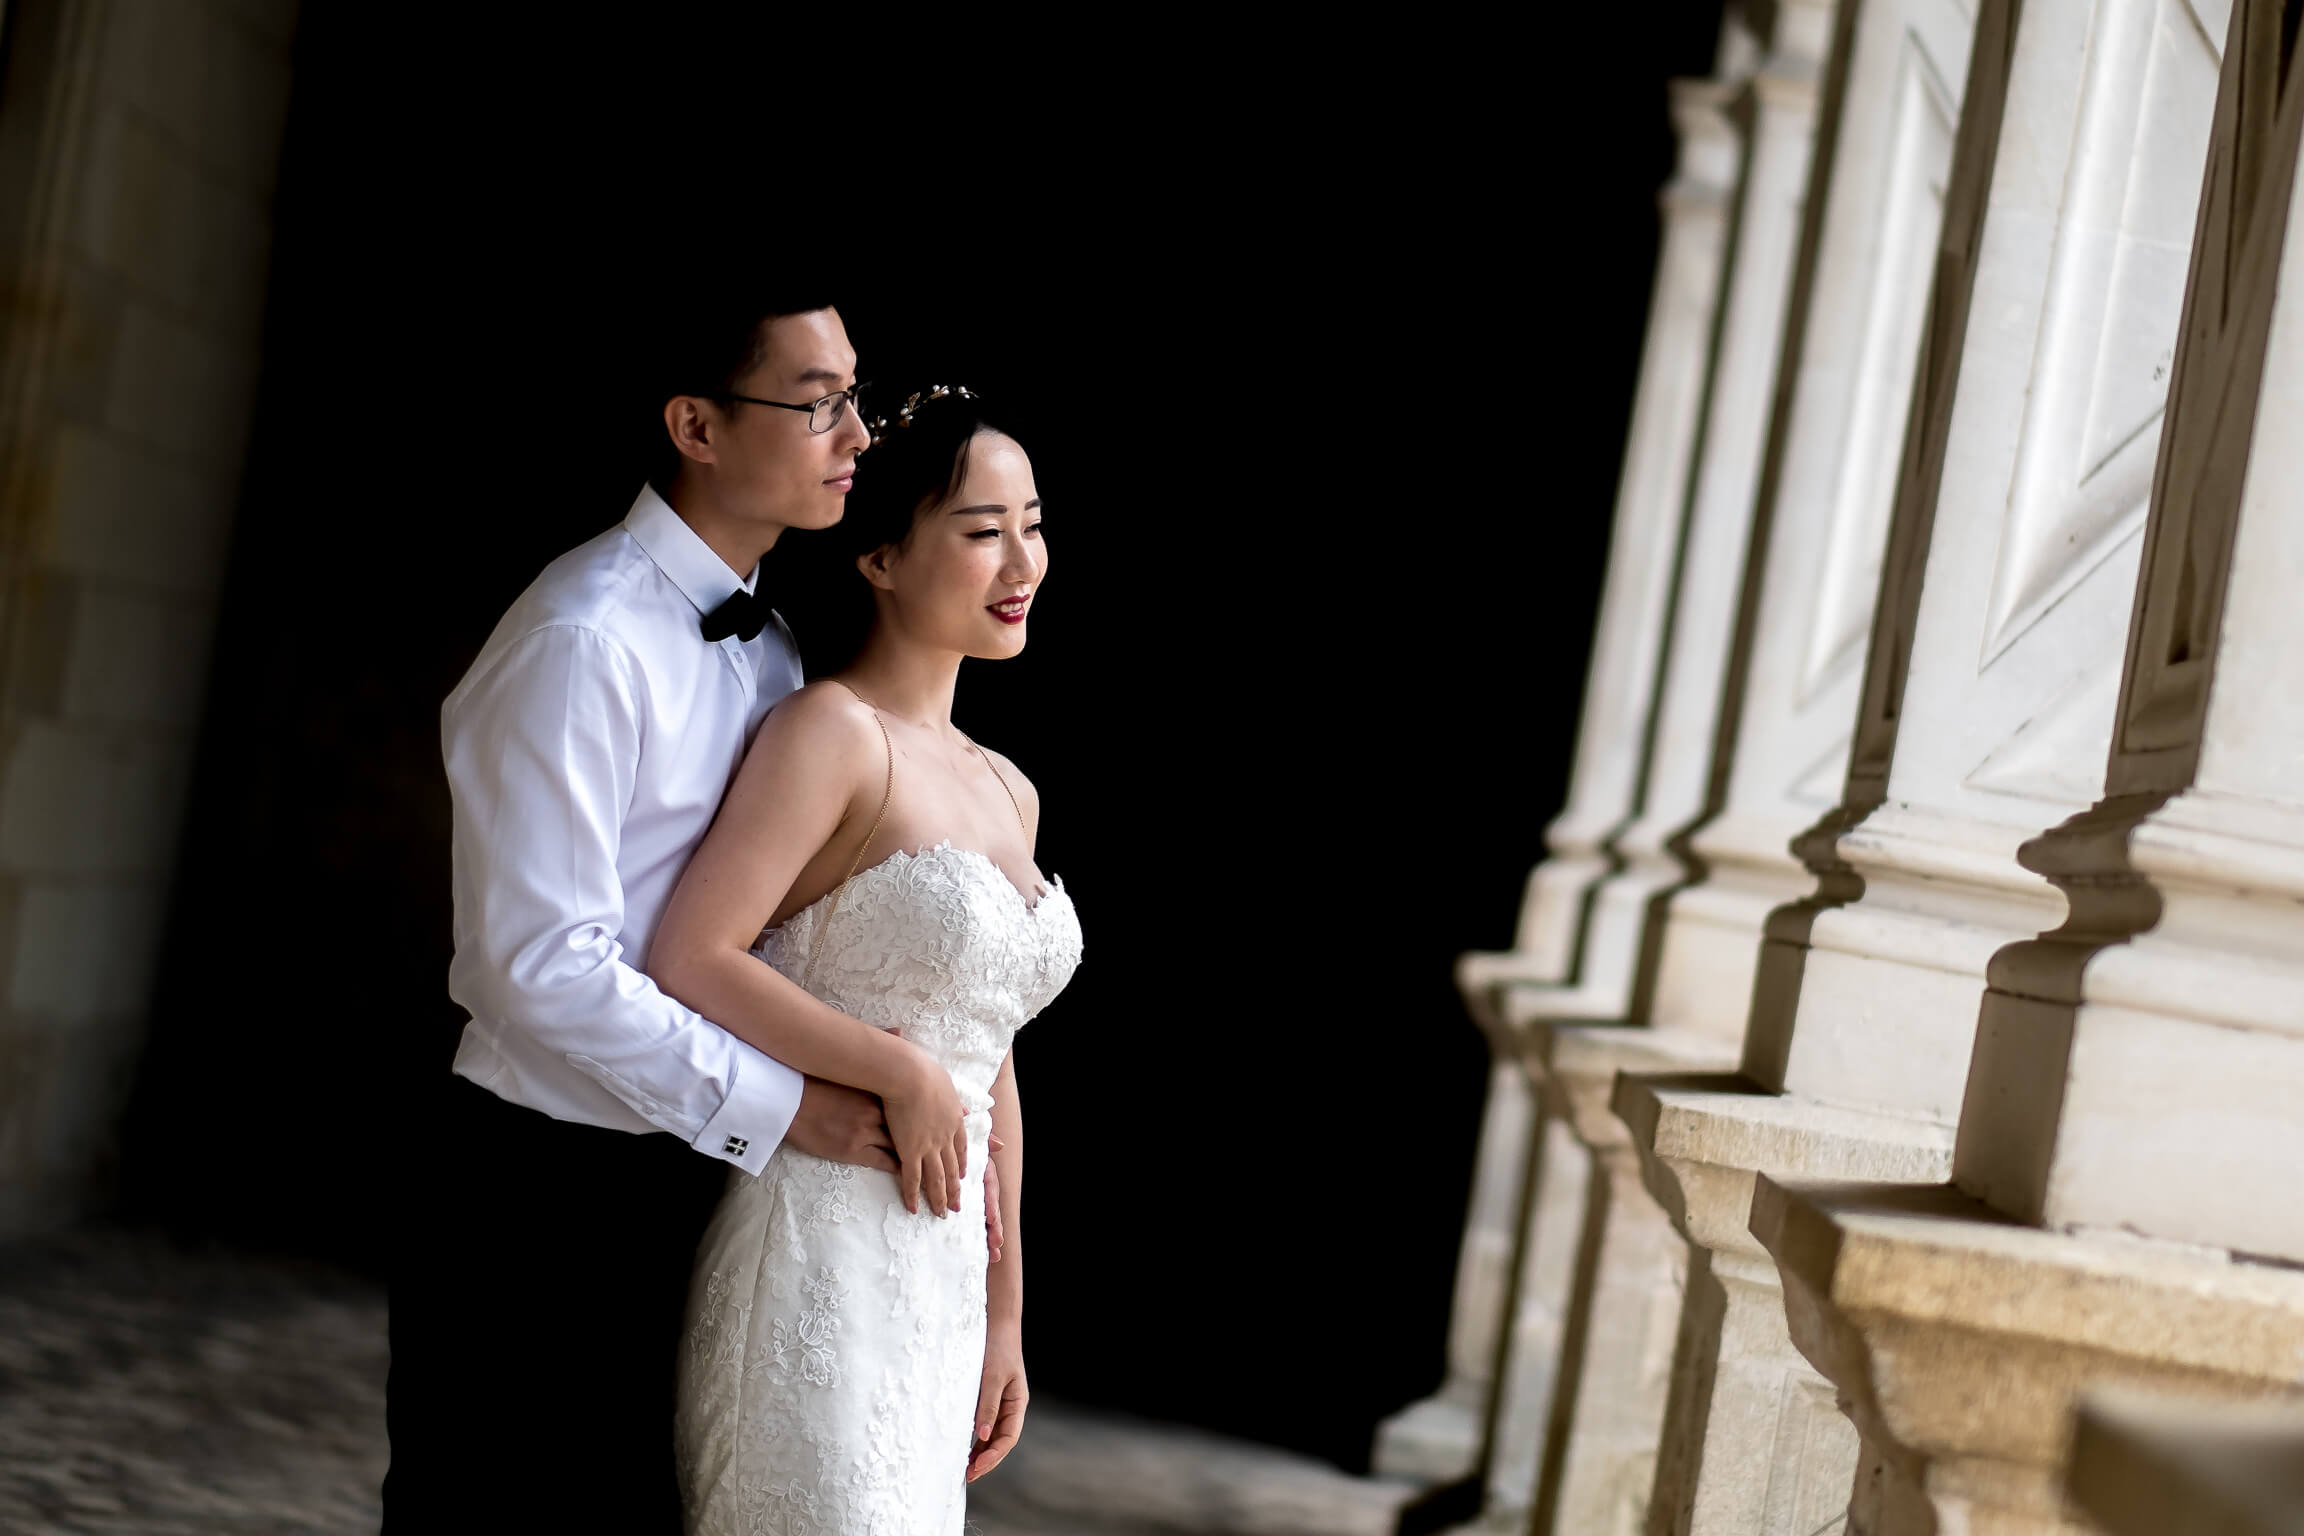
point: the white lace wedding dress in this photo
(835, 1341)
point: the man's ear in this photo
(876, 564)
(691, 421)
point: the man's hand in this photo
(994, 1233)
(842, 1125)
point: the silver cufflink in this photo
(735, 1146)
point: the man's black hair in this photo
(718, 333)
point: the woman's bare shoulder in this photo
(822, 727)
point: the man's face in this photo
(770, 464)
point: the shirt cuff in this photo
(763, 1096)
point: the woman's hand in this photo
(1000, 1400)
(925, 1121)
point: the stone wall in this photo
(138, 145)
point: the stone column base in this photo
(1433, 1440)
(1754, 1443)
(1607, 1403)
(1530, 1368)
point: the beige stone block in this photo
(1754, 1442)
(173, 231)
(1754, 1445)
(218, 87)
(75, 800)
(136, 659)
(1961, 1342)
(1711, 948)
(59, 1108)
(179, 389)
(1616, 1361)
(2172, 1126)
(1438, 1439)
(1703, 1138)
(82, 1097)
(86, 950)
(120, 510)
(1577, 1066)
(2144, 1465)
(1531, 1366)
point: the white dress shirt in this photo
(587, 750)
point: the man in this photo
(580, 1147)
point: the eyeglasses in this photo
(824, 414)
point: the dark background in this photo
(1323, 351)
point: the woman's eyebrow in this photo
(991, 506)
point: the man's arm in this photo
(541, 755)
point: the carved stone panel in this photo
(1886, 154)
(2047, 445)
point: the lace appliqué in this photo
(716, 1336)
(802, 1346)
(828, 1384)
(779, 1509)
(834, 1204)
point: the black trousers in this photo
(539, 1276)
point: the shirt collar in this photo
(665, 537)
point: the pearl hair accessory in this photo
(913, 403)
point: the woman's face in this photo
(965, 579)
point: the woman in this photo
(849, 1365)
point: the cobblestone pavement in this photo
(150, 1391)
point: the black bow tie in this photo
(744, 615)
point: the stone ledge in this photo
(1961, 1342)
(1703, 1136)
(1575, 1066)
(1434, 1440)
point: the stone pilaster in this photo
(1883, 156)
(1609, 1384)
(2133, 1083)
(1440, 1437)
(138, 146)
(1988, 696)
(1745, 1450)
(2140, 1068)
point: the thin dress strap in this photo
(1004, 789)
(824, 922)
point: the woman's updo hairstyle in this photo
(919, 460)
